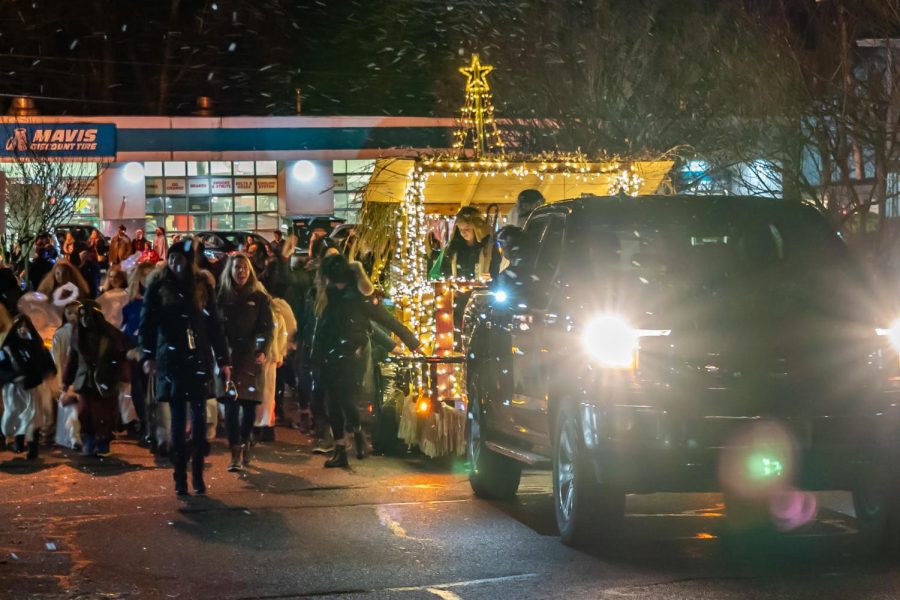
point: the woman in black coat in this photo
(247, 313)
(340, 349)
(181, 334)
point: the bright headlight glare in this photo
(892, 333)
(611, 341)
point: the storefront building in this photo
(191, 174)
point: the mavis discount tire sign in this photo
(58, 140)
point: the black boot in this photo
(19, 444)
(33, 446)
(197, 470)
(359, 443)
(199, 485)
(180, 477)
(245, 457)
(235, 465)
(339, 459)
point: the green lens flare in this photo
(762, 466)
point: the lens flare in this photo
(792, 509)
(611, 341)
(892, 333)
(758, 461)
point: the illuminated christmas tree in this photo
(477, 130)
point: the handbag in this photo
(226, 391)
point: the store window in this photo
(218, 167)
(79, 178)
(174, 169)
(87, 207)
(350, 179)
(191, 196)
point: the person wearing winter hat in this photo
(140, 244)
(339, 349)
(526, 203)
(181, 333)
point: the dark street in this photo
(387, 527)
(652, 246)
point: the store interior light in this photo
(304, 171)
(133, 172)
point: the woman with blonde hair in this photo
(63, 272)
(469, 252)
(285, 328)
(247, 315)
(114, 296)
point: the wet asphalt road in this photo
(385, 528)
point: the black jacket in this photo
(101, 373)
(342, 333)
(249, 329)
(182, 338)
(10, 292)
(25, 359)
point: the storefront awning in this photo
(446, 190)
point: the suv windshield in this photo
(778, 260)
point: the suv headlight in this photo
(613, 342)
(892, 333)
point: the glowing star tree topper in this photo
(477, 126)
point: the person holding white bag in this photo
(284, 331)
(68, 431)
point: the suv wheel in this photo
(586, 512)
(491, 475)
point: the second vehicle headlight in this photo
(892, 333)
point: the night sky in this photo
(393, 57)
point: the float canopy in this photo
(449, 186)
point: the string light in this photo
(426, 306)
(626, 181)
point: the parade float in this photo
(408, 206)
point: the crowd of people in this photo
(173, 344)
(166, 343)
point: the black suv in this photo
(219, 244)
(80, 231)
(681, 344)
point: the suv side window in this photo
(211, 240)
(544, 243)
